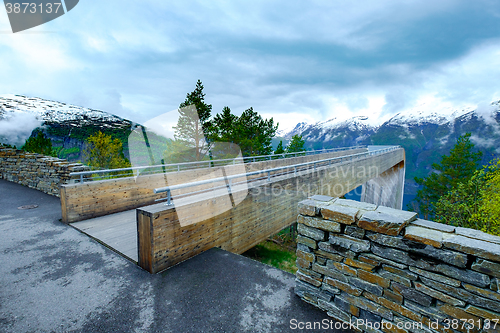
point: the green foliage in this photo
(459, 205)
(279, 149)
(474, 204)
(274, 255)
(487, 218)
(253, 133)
(456, 168)
(296, 144)
(5, 145)
(39, 144)
(249, 131)
(62, 152)
(197, 138)
(222, 127)
(104, 152)
(194, 114)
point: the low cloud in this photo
(16, 128)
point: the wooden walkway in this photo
(116, 231)
(119, 231)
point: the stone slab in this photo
(356, 204)
(374, 278)
(476, 234)
(393, 277)
(354, 231)
(482, 313)
(403, 214)
(484, 293)
(486, 267)
(424, 235)
(475, 278)
(335, 249)
(322, 198)
(341, 214)
(382, 223)
(428, 311)
(438, 295)
(412, 294)
(350, 243)
(313, 233)
(461, 294)
(319, 223)
(404, 273)
(308, 207)
(306, 241)
(436, 277)
(486, 250)
(377, 260)
(392, 254)
(433, 225)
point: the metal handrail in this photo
(169, 189)
(82, 174)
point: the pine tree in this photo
(254, 134)
(296, 144)
(39, 144)
(102, 152)
(279, 149)
(194, 114)
(456, 168)
(222, 127)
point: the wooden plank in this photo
(144, 245)
(259, 215)
(104, 197)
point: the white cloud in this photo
(16, 128)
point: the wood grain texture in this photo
(200, 222)
(99, 198)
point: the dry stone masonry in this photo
(383, 270)
(40, 172)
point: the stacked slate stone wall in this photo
(40, 172)
(384, 270)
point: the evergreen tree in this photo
(250, 131)
(39, 144)
(194, 114)
(456, 168)
(279, 149)
(102, 152)
(253, 133)
(296, 144)
(222, 127)
(474, 204)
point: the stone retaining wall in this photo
(384, 270)
(40, 172)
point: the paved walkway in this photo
(55, 279)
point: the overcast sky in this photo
(293, 60)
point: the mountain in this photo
(66, 125)
(426, 136)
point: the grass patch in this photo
(278, 252)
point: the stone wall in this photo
(40, 172)
(384, 270)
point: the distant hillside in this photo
(66, 125)
(425, 136)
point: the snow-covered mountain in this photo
(425, 135)
(50, 112)
(66, 125)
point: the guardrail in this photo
(295, 167)
(86, 176)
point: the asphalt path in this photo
(55, 279)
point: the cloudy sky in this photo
(293, 60)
